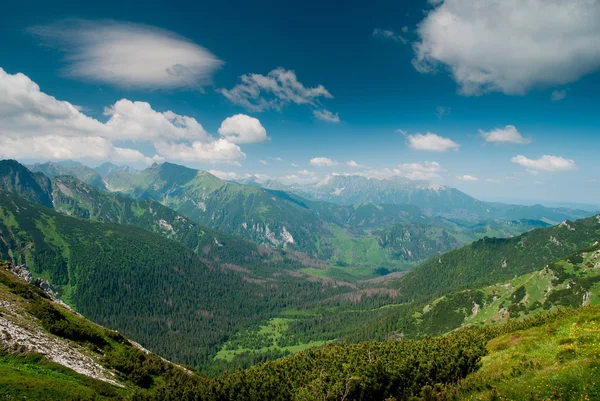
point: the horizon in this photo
(260, 180)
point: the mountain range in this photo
(432, 199)
(388, 236)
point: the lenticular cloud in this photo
(129, 55)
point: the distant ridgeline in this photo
(374, 234)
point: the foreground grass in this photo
(31, 377)
(560, 360)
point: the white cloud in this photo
(129, 55)
(263, 162)
(510, 46)
(413, 171)
(354, 164)
(278, 88)
(277, 159)
(417, 171)
(305, 172)
(34, 125)
(241, 128)
(218, 151)
(138, 121)
(508, 134)
(57, 147)
(545, 163)
(323, 162)
(558, 95)
(467, 177)
(326, 115)
(227, 175)
(294, 165)
(431, 142)
(389, 34)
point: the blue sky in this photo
(417, 87)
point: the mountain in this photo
(153, 289)
(84, 173)
(70, 196)
(106, 169)
(75, 198)
(263, 183)
(363, 234)
(492, 260)
(266, 217)
(16, 178)
(50, 352)
(433, 199)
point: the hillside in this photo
(75, 198)
(49, 352)
(491, 260)
(155, 290)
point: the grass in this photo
(558, 359)
(274, 329)
(33, 377)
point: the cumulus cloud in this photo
(323, 162)
(431, 142)
(220, 150)
(354, 164)
(138, 121)
(241, 128)
(389, 34)
(326, 115)
(508, 134)
(227, 175)
(545, 163)
(35, 125)
(275, 90)
(56, 147)
(467, 177)
(510, 46)
(413, 171)
(417, 171)
(129, 55)
(558, 95)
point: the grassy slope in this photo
(560, 359)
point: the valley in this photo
(198, 289)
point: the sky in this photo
(497, 98)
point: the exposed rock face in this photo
(19, 331)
